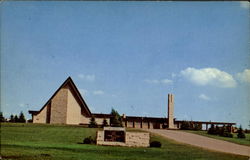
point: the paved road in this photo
(204, 142)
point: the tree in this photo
(186, 125)
(92, 123)
(16, 118)
(2, 119)
(197, 127)
(21, 118)
(116, 119)
(211, 130)
(241, 134)
(12, 118)
(104, 123)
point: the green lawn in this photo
(60, 142)
(234, 139)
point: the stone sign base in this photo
(132, 139)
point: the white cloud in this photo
(204, 97)
(166, 81)
(98, 92)
(209, 76)
(245, 4)
(173, 75)
(88, 77)
(21, 105)
(83, 91)
(244, 76)
(156, 81)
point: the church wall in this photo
(41, 117)
(145, 125)
(73, 109)
(137, 124)
(130, 124)
(151, 125)
(99, 121)
(84, 120)
(59, 107)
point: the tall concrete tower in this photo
(170, 111)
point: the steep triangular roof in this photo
(69, 82)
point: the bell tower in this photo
(170, 111)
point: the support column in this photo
(141, 123)
(231, 128)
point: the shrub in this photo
(198, 127)
(164, 126)
(241, 134)
(88, 140)
(186, 125)
(224, 132)
(211, 130)
(155, 144)
(227, 134)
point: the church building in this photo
(67, 106)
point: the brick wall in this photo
(137, 124)
(130, 124)
(145, 125)
(137, 139)
(59, 107)
(41, 117)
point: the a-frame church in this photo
(67, 106)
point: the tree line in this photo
(13, 118)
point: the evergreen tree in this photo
(12, 118)
(22, 118)
(104, 123)
(92, 123)
(241, 134)
(2, 119)
(185, 125)
(211, 130)
(222, 130)
(16, 119)
(115, 120)
(197, 127)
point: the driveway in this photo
(203, 142)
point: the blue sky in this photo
(129, 55)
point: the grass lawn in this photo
(61, 142)
(234, 139)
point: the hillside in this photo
(54, 142)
